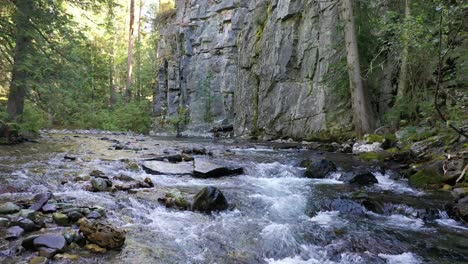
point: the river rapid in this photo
(276, 214)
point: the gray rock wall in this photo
(257, 64)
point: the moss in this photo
(330, 136)
(425, 178)
(370, 156)
(372, 138)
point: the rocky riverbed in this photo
(95, 197)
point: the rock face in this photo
(255, 64)
(209, 199)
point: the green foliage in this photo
(425, 178)
(33, 119)
(181, 120)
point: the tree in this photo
(131, 43)
(19, 76)
(362, 113)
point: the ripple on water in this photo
(405, 258)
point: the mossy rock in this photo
(425, 178)
(373, 138)
(370, 156)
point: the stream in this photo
(276, 214)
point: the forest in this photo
(234, 131)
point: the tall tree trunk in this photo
(362, 113)
(111, 31)
(403, 77)
(138, 53)
(18, 85)
(131, 43)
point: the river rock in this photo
(209, 199)
(100, 184)
(205, 169)
(61, 219)
(176, 199)
(74, 216)
(52, 241)
(345, 206)
(98, 174)
(319, 168)
(66, 256)
(95, 248)
(47, 252)
(94, 215)
(459, 193)
(9, 208)
(125, 178)
(360, 178)
(49, 208)
(28, 242)
(166, 168)
(41, 199)
(26, 224)
(39, 260)
(362, 147)
(102, 234)
(194, 151)
(4, 222)
(461, 209)
(28, 213)
(14, 232)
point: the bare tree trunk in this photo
(111, 31)
(363, 119)
(18, 86)
(131, 43)
(403, 77)
(138, 53)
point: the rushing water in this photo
(277, 215)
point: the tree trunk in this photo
(131, 43)
(138, 55)
(362, 113)
(403, 77)
(111, 31)
(18, 85)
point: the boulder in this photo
(319, 168)
(4, 222)
(175, 199)
(26, 224)
(100, 184)
(345, 206)
(166, 168)
(39, 260)
(52, 241)
(461, 209)
(61, 219)
(9, 208)
(360, 178)
(205, 169)
(459, 193)
(102, 234)
(209, 199)
(14, 232)
(362, 147)
(40, 200)
(98, 174)
(47, 252)
(49, 208)
(426, 177)
(28, 242)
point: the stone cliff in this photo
(259, 65)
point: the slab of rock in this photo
(361, 178)
(345, 206)
(362, 147)
(52, 241)
(41, 199)
(9, 208)
(210, 199)
(166, 168)
(14, 232)
(318, 169)
(102, 234)
(205, 169)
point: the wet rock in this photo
(15, 250)
(95, 248)
(61, 219)
(362, 147)
(67, 256)
(175, 199)
(9, 208)
(318, 169)
(124, 178)
(73, 236)
(345, 206)
(195, 151)
(209, 199)
(94, 215)
(47, 252)
(459, 193)
(360, 178)
(41, 199)
(166, 168)
(100, 184)
(146, 183)
(69, 158)
(74, 216)
(4, 222)
(453, 168)
(39, 260)
(52, 241)
(419, 148)
(26, 224)
(133, 166)
(98, 174)
(28, 242)
(102, 234)
(49, 208)
(14, 232)
(461, 209)
(205, 169)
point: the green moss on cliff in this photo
(425, 178)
